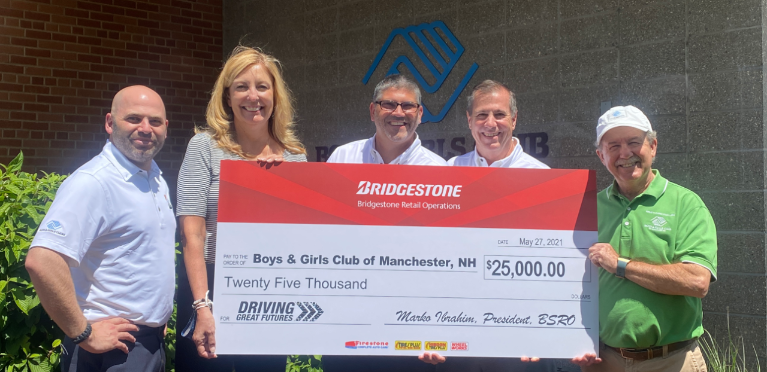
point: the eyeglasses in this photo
(392, 105)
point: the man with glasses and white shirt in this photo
(396, 111)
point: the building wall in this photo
(694, 66)
(62, 61)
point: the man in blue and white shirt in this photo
(102, 260)
(396, 112)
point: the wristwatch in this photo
(620, 271)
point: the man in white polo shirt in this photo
(396, 112)
(492, 116)
(102, 260)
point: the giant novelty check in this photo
(348, 259)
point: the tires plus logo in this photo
(430, 35)
(407, 345)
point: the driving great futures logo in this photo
(429, 35)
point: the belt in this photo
(650, 353)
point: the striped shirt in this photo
(198, 182)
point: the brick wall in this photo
(62, 61)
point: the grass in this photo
(730, 356)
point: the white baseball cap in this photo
(622, 116)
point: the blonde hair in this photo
(220, 117)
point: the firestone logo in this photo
(367, 344)
(412, 189)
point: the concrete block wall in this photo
(62, 61)
(694, 66)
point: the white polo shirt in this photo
(517, 159)
(115, 223)
(364, 152)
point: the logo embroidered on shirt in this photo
(54, 227)
(658, 224)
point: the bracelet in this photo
(83, 336)
(620, 270)
(203, 302)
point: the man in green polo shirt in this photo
(657, 250)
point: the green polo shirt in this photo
(665, 224)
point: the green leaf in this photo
(42, 365)
(33, 212)
(13, 344)
(15, 190)
(3, 283)
(4, 208)
(56, 343)
(15, 165)
(24, 301)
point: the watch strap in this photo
(620, 270)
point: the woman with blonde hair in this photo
(249, 117)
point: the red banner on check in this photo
(408, 195)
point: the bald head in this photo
(136, 94)
(137, 125)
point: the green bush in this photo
(304, 363)
(30, 340)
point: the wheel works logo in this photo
(445, 51)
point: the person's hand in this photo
(432, 358)
(603, 255)
(586, 360)
(533, 359)
(204, 336)
(107, 335)
(270, 160)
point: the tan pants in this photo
(688, 359)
